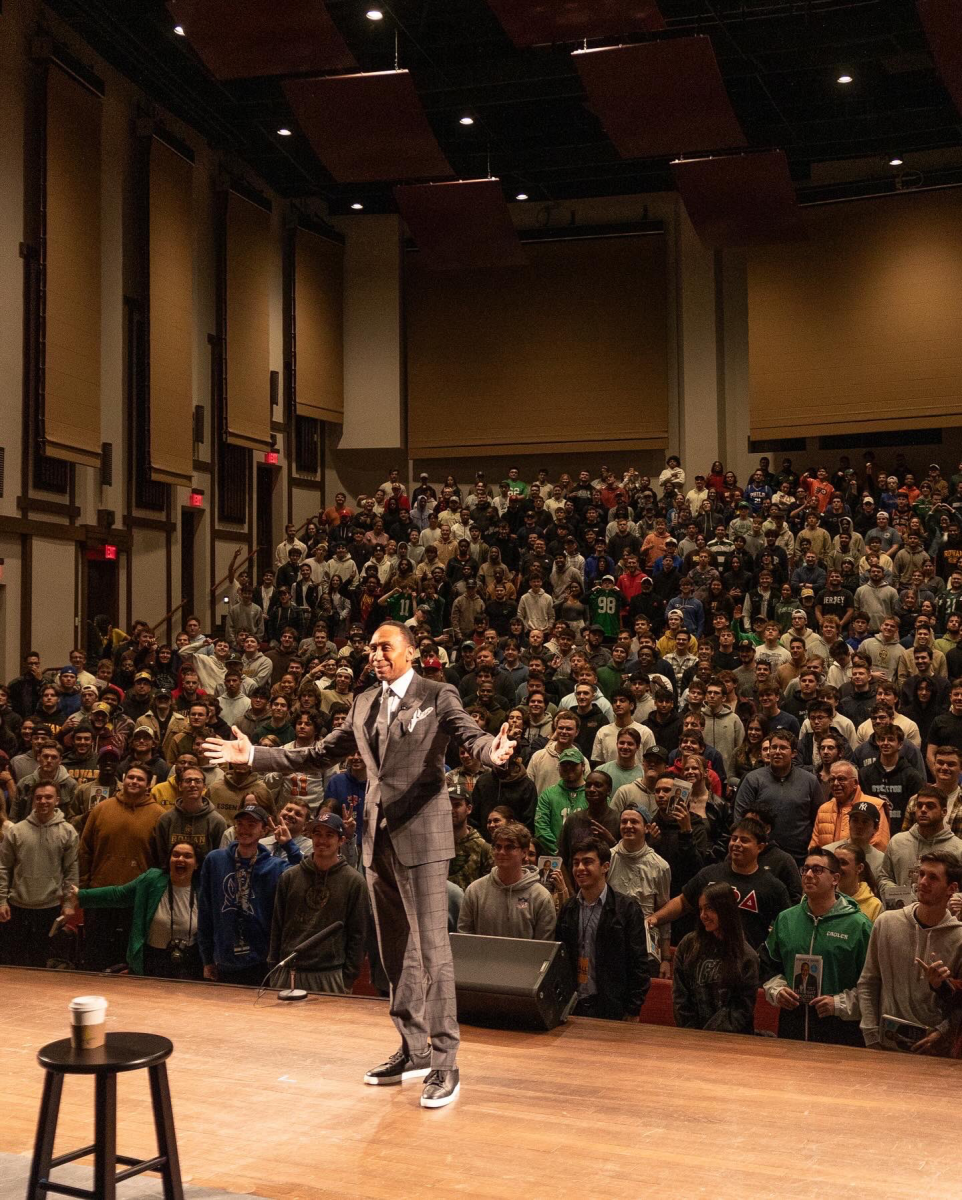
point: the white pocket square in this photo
(418, 716)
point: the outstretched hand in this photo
(502, 748)
(221, 753)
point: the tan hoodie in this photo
(116, 843)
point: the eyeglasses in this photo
(814, 869)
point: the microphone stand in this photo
(296, 993)
(292, 992)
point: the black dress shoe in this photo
(440, 1088)
(399, 1066)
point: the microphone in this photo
(313, 940)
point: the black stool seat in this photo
(120, 1052)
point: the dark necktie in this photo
(383, 724)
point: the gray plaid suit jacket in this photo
(407, 786)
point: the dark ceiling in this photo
(780, 62)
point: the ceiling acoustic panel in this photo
(942, 21)
(368, 128)
(461, 226)
(241, 39)
(740, 200)
(536, 22)
(660, 98)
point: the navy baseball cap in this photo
(330, 821)
(255, 811)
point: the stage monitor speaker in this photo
(511, 981)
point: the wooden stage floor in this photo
(270, 1101)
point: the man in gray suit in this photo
(401, 731)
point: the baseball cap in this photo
(142, 731)
(807, 591)
(431, 663)
(656, 752)
(330, 821)
(108, 752)
(68, 670)
(864, 809)
(144, 675)
(595, 629)
(800, 612)
(459, 792)
(605, 578)
(101, 707)
(572, 754)
(255, 811)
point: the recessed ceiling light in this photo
(179, 30)
(521, 196)
(845, 79)
(283, 131)
(467, 120)
(895, 162)
(357, 207)
(375, 14)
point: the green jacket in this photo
(841, 937)
(554, 804)
(143, 895)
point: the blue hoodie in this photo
(226, 936)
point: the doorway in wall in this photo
(189, 520)
(101, 598)
(264, 519)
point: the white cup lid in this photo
(87, 1003)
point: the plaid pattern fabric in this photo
(408, 841)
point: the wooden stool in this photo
(120, 1052)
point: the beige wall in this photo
(372, 334)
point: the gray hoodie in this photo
(891, 984)
(36, 859)
(517, 910)
(725, 732)
(905, 850)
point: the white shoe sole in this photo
(440, 1103)
(419, 1073)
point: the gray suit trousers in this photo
(411, 914)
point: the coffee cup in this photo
(87, 1017)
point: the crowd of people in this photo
(737, 716)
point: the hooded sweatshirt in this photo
(514, 910)
(307, 899)
(116, 843)
(841, 938)
(891, 984)
(35, 861)
(903, 853)
(202, 829)
(725, 732)
(227, 797)
(233, 930)
(645, 875)
(543, 769)
(867, 901)
(554, 805)
(493, 789)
